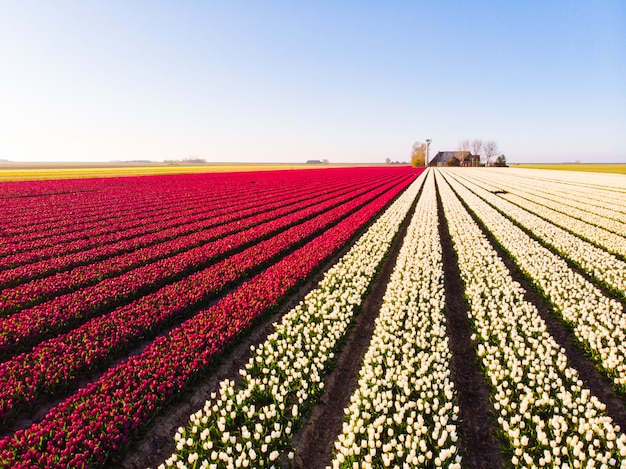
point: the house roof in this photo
(443, 156)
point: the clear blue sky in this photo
(287, 81)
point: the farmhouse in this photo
(455, 158)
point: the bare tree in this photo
(476, 146)
(464, 145)
(418, 154)
(490, 148)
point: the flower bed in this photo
(404, 413)
(250, 425)
(598, 322)
(84, 429)
(42, 370)
(609, 270)
(547, 417)
(201, 214)
(67, 311)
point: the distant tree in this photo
(388, 160)
(501, 161)
(325, 161)
(464, 145)
(454, 161)
(418, 154)
(193, 160)
(491, 149)
(476, 146)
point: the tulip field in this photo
(122, 296)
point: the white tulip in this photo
(540, 359)
(302, 342)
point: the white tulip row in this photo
(547, 417)
(403, 413)
(251, 424)
(604, 190)
(596, 262)
(598, 230)
(599, 206)
(593, 228)
(598, 322)
(604, 219)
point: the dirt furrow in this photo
(314, 443)
(588, 372)
(479, 446)
(156, 442)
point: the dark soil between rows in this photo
(479, 446)
(314, 443)
(562, 333)
(157, 442)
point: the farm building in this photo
(455, 158)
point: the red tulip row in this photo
(175, 240)
(65, 211)
(31, 246)
(136, 202)
(99, 199)
(64, 312)
(136, 239)
(61, 257)
(21, 249)
(88, 427)
(17, 190)
(67, 253)
(138, 214)
(44, 370)
(52, 265)
(87, 219)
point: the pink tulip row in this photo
(45, 244)
(17, 190)
(64, 312)
(94, 423)
(185, 237)
(20, 249)
(101, 250)
(43, 369)
(133, 214)
(42, 262)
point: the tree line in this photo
(487, 150)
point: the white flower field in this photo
(536, 251)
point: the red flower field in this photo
(90, 269)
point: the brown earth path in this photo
(314, 443)
(479, 446)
